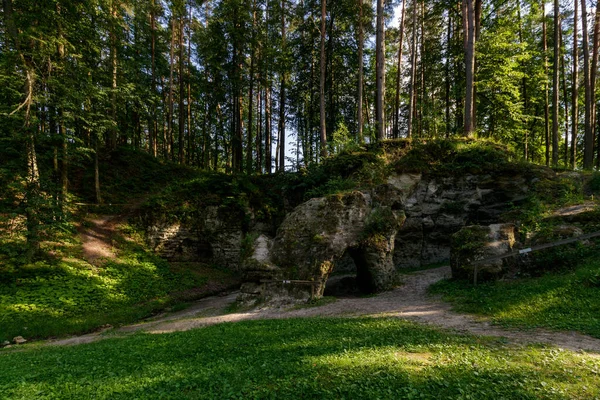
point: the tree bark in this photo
(380, 71)
(593, 75)
(413, 72)
(249, 147)
(588, 151)
(396, 129)
(282, 136)
(555, 84)
(447, 74)
(153, 125)
(323, 128)
(468, 13)
(361, 44)
(182, 110)
(169, 145)
(32, 192)
(575, 89)
(546, 106)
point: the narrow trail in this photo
(96, 237)
(97, 234)
(409, 301)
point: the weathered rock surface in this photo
(476, 243)
(19, 340)
(213, 236)
(440, 206)
(337, 232)
(312, 238)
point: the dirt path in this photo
(410, 301)
(96, 237)
(98, 234)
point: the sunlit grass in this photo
(563, 301)
(364, 358)
(64, 294)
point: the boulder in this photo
(19, 340)
(312, 238)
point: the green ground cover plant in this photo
(366, 358)
(63, 294)
(562, 300)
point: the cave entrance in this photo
(350, 277)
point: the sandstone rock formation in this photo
(312, 238)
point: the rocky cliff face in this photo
(405, 222)
(440, 206)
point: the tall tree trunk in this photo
(188, 73)
(593, 76)
(380, 71)
(588, 151)
(282, 135)
(413, 72)
(447, 73)
(259, 135)
(182, 110)
(361, 44)
(575, 89)
(171, 79)
(153, 126)
(546, 106)
(32, 193)
(249, 147)
(112, 140)
(555, 84)
(396, 129)
(323, 128)
(523, 85)
(563, 73)
(422, 53)
(268, 133)
(468, 13)
(64, 180)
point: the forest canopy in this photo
(271, 85)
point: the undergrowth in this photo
(63, 294)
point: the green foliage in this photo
(355, 358)
(53, 298)
(455, 156)
(247, 245)
(565, 301)
(594, 183)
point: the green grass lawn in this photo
(63, 294)
(367, 358)
(562, 301)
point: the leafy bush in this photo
(594, 183)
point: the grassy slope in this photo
(61, 293)
(294, 359)
(560, 300)
(64, 294)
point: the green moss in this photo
(453, 207)
(467, 242)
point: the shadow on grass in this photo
(309, 358)
(563, 301)
(62, 294)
